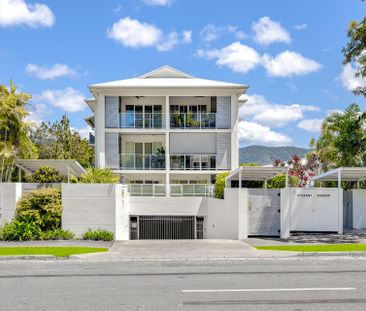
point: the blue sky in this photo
(288, 52)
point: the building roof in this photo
(345, 173)
(256, 173)
(65, 167)
(166, 77)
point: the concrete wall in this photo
(182, 206)
(359, 208)
(193, 143)
(94, 206)
(10, 193)
(316, 209)
(227, 219)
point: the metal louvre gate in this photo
(166, 227)
(264, 212)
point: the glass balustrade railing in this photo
(193, 162)
(193, 120)
(142, 162)
(142, 120)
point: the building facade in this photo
(166, 133)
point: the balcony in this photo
(196, 162)
(193, 120)
(142, 162)
(192, 190)
(154, 190)
(142, 120)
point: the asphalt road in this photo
(303, 284)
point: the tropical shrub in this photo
(42, 207)
(98, 176)
(277, 182)
(18, 230)
(220, 185)
(57, 234)
(98, 235)
(46, 174)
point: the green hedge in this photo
(98, 235)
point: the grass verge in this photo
(54, 251)
(316, 248)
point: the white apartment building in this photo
(166, 132)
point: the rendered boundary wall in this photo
(95, 206)
(311, 210)
(10, 193)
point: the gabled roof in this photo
(166, 77)
(166, 72)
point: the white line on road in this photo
(268, 289)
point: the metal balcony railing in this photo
(195, 190)
(193, 120)
(154, 190)
(142, 120)
(142, 162)
(197, 162)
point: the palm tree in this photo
(14, 139)
(343, 138)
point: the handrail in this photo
(154, 190)
(205, 190)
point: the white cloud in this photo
(68, 99)
(18, 12)
(255, 134)
(84, 131)
(267, 31)
(236, 56)
(311, 125)
(187, 36)
(349, 80)
(301, 26)
(271, 114)
(288, 64)
(55, 71)
(133, 33)
(212, 32)
(158, 2)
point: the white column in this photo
(234, 133)
(167, 146)
(100, 131)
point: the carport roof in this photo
(344, 173)
(257, 173)
(65, 167)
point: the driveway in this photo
(171, 250)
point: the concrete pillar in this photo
(167, 146)
(285, 213)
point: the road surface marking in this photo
(268, 289)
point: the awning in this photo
(65, 167)
(342, 173)
(256, 173)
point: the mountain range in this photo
(266, 155)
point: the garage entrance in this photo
(264, 212)
(162, 227)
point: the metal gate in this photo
(264, 212)
(163, 227)
(347, 209)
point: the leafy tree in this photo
(58, 141)
(97, 176)
(220, 185)
(354, 52)
(14, 139)
(46, 174)
(343, 139)
(277, 182)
